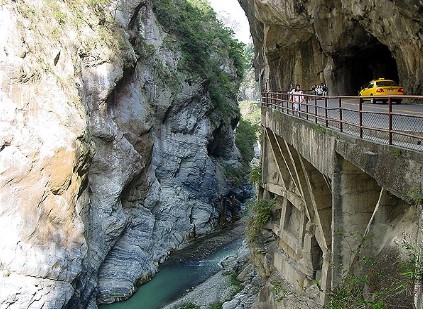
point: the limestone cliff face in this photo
(105, 151)
(341, 43)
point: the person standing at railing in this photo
(319, 90)
(324, 89)
(297, 97)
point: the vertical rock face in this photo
(45, 150)
(341, 43)
(108, 156)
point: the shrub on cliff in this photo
(210, 50)
(248, 132)
(245, 138)
(259, 214)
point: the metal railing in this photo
(350, 115)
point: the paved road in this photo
(405, 117)
(408, 109)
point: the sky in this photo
(232, 15)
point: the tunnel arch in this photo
(360, 64)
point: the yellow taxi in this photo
(381, 87)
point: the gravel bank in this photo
(220, 289)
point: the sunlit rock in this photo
(105, 164)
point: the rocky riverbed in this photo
(235, 286)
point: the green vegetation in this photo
(249, 56)
(413, 268)
(235, 282)
(383, 281)
(320, 129)
(255, 174)
(283, 291)
(277, 290)
(245, 139)
(350, 293)
(60, 17)
(415, 196)
(52, 20)
(204, 42)
(215, 305)
(188, 306)
(248, 132)
(251, 112)
(259, 213)
(235, 174)
(246, 135)
(250, 89)
(201, 35)
(280, 292)
(98, 2)
(396, 152)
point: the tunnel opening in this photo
(360, 64)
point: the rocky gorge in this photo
(111, 154)
(115, 149)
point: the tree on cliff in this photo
(205, 41)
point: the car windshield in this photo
(386, 83)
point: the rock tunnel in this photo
(360, 64)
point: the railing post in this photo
(270, 100)
(280, 101)
(340, 115)
(275, 100)
(291, 104)
(360, 117)
(299, 107)
(306, 109)
(390, 121)
(326, 113)
(315, 110)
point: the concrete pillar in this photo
(355, 195)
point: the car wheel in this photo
(373, 101)
(398, 101)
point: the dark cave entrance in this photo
(361, 64)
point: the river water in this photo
(184, 270)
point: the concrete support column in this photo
(355, 195)
(337, 222)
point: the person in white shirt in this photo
(297, 97)
(319, 90)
